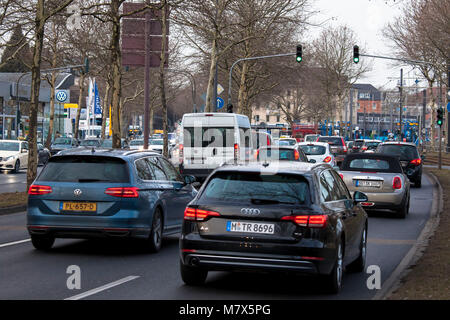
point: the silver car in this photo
(381, 178)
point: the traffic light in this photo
(230, 108)
(298, 57)
(440, 116)
(86, 65)
(355, 54)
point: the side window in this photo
(143, 170)
(343, 191)
(170, 171)
(156, 168)
(325, 191)
(331, 185)
(25, 145)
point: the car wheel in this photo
(192, 276)
(17, 166)
(403, 211)
(42, 242)
(333, 281)
(359, 264)
(155, 237)
(418, 183)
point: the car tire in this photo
(16, 166)
(155, 238)
(192, 276)
(418, 183)
(360, 263)
(42, 243)
(403, 211)
(333, 281)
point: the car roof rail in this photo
(139, 151)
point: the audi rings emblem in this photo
(250, 211)
(77, 192)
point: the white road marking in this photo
(102, 288)
(13, 243)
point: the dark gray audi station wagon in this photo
(287, 217)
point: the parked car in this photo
(280, 153)
(211, 139)
(410, 159)
(43, 154)
(107, 193)
(381, 178)
(286, 217)
(337, 146)
(13, 155)
(63, 143)
(318, 152)
(370, 145)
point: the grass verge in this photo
(13, 199)
(429, 277)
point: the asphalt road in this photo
(123, 270)
(14, 182)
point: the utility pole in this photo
(147, 80)
(216, 73)
(401, 104)
(440, 128)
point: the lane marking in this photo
(102, 288)
(13, 243)
(390, 241)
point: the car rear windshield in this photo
(287, 142)
(313, 150)
(62, 141)
(372, 144)
(358, 143)
(311, 138)
(276, 154)
(89, 143)
(85, 169)
(404, 152)
(372, 164)
(334, 141)
(257, 188)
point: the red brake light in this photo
(296, 155)
(198, 214)
(343, 143)
(236, 151)
(38, 190)
(364, 148)
(127, 192)
(397, 183)
(180, 153)
(312, 221)
(341, 175)
(416, 162)
(256, 154)
(268, 141)
(327, 159)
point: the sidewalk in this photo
(429, 277)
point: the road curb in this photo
(394, 281)
(12, 209)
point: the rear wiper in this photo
(269, 201)
(92, 180)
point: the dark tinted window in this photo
(85, 169)
(277, 154)
(329, 189)
(233, 186)
(405, 152)
(376, 163)
(143, 170)
(90, 143)
(62, 141)
(372, 144)
(334, 141)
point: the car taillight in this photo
(327, 159)
(343, 143)
(37, 190)
(341, 175)
(198, 214)
(236, 151)
(256, 154)
(296, 155)
(397, 183)
(416, 162)
(127, 192)
(268, 141)
(364, 148)
(312, 221)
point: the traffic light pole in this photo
(229, 103)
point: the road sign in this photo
(220, 103)
(448, 107)
(61, 96)
(219, 89)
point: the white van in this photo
(211, 139)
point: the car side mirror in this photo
(359, 197)
(189, 179)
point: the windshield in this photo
(85, 169)
(313, 150)
(157, 142)
(89, 143)
(231, 186)
(287, 142)
(63, 141)
(277, 154)
(311, 138)
(404, 152)
(9, 146)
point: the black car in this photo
(409, 158)
(43, 154)
(289, 217)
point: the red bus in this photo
(299, 131)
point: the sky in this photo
(367, 18)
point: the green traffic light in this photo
(355, 60)
(439, 122)
(299, 59)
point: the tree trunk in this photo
(161, 76)
(209, 106)
(242, 88)
(80, 101)
(48, 141)
(116, 73)
(35, 86)
(105, 111)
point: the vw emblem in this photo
(251, 211)
(61, 96)
(77, 192)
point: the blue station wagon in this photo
(107, 193)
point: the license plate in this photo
(79, 206)
(368, 183)
(250, 227)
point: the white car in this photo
(137, 144)
(13, 155)
(156, 145)
(318, 152)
